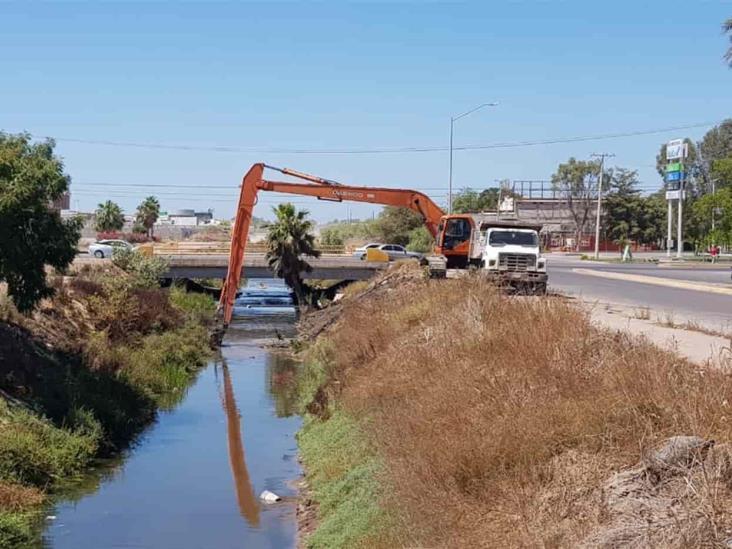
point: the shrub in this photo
(16, 529)
(145, 272)
(166, 363)
(199, 308)
(126, 312)
(33, 451)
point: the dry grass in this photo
(14, 497)
(499, 419)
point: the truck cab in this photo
(511, 255)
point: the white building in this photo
(186, 218)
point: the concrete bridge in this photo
(255, 266)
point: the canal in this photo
(193, 479)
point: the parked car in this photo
(394, 251)
(360, 253)
(105, 248)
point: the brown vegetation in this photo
(501, 420)
(14, 497)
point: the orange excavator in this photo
(453, 234)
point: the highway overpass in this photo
(255, 266)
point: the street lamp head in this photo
(466, 113)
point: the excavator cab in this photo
(454, 238)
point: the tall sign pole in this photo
(676, 152)
(680, 224)
(669, 238)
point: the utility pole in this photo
(714, 202)
(602, 157)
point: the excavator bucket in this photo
(374, 254)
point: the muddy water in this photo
(193, 479)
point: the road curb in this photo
(645, 279)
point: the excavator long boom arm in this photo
(323, 189)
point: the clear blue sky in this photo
(325, 75)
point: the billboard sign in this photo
(675, 149)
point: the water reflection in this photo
(282, 383)
(174, 487)
(245, 497)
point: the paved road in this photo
(711, 310)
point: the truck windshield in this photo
(517, 238)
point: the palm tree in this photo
(288, 239)
(727, 28)
(109, 217)
(147, 214)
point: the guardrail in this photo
(203, 248)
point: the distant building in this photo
(186, 218)
(540, 203)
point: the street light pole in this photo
(449, 192)
(452, 124)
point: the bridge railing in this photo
(206, 248)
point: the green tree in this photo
(331, 237)
(394, 224)
(629, 216)
(654, 212)
(721, 172)
(109, 217)
(148, 213)
(420, 240)
(717, 142)
(290, 238)
(32, 235)
(622, 207)
(718, 205)
(576, 182)
(469, 200)
(727, 28)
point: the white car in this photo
(360, 253)
(105, 248)
(394, 251)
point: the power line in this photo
(379, 150)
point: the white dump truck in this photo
(509, 252)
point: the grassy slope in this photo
(343, 472)
(64, 408)
(495, 420)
